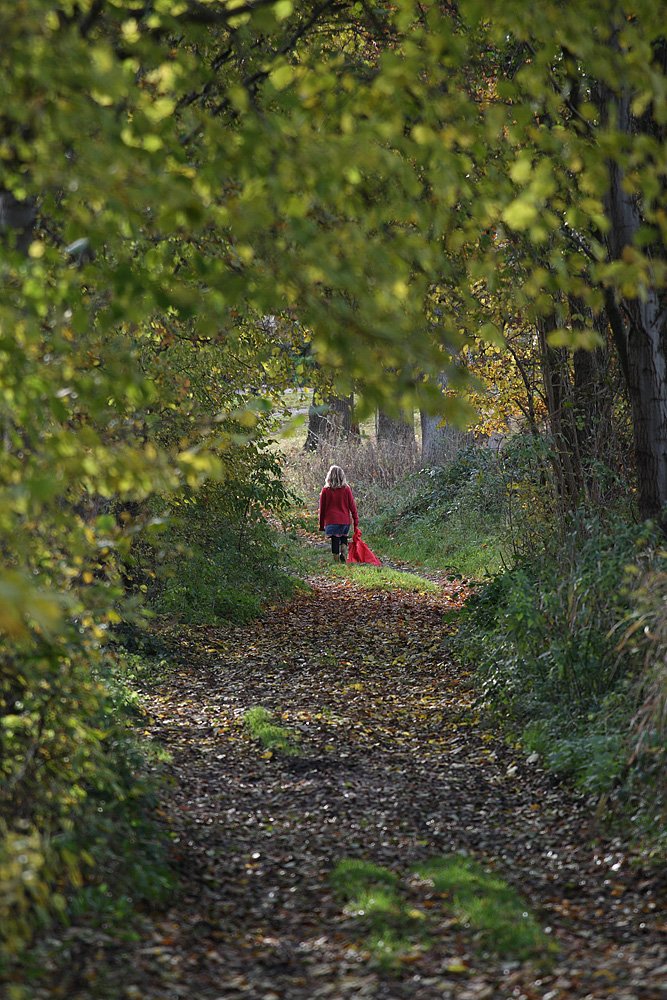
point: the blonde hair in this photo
(335, 478)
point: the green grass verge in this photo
(311, 560)
(468, 548)
(262, 727)
(381, 578)
(394, 926)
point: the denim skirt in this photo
(336, 529)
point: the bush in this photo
(642, 637)
(76, 806)
(219, 559)
(544, 637)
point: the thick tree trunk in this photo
(440, 442)
(590, 383)
(647, 387)
(330, 421)
(433, 439)
(400, 433)
(641, 325)
(557, 387)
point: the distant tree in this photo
(397, 432)
(330, 420)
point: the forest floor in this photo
(394, 766)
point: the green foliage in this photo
(219, 558)
(593, 749)
(554, 614)
(544, 637)
(180, 173)
(642, 636)
(77, 841)
(262, 727)
(473, 480)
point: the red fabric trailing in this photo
(359, 551)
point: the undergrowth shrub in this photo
(449, 517)
(643, 637)
(474, 480)
(556, 653)
(218, 557)
(78, 842)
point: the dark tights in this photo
(336, 542)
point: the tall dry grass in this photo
(372, 468)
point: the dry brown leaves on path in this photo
(394, 767)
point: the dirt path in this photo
(395, 768)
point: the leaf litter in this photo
(395, 767)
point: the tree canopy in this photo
(331, 164)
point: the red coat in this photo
(337, 507)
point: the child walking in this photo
(337, 509)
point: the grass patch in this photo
(469, 548)
(395, 925)
(381, 578)
(493, 910)
(353, 876)
(262, 727)
(311, 559)
(373, 896)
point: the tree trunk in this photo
(648, 399)
(590, 383)
(640, 328)
(400, 433)
(330, 421)
(558, 391)
(440, 442)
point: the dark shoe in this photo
(342, 557)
